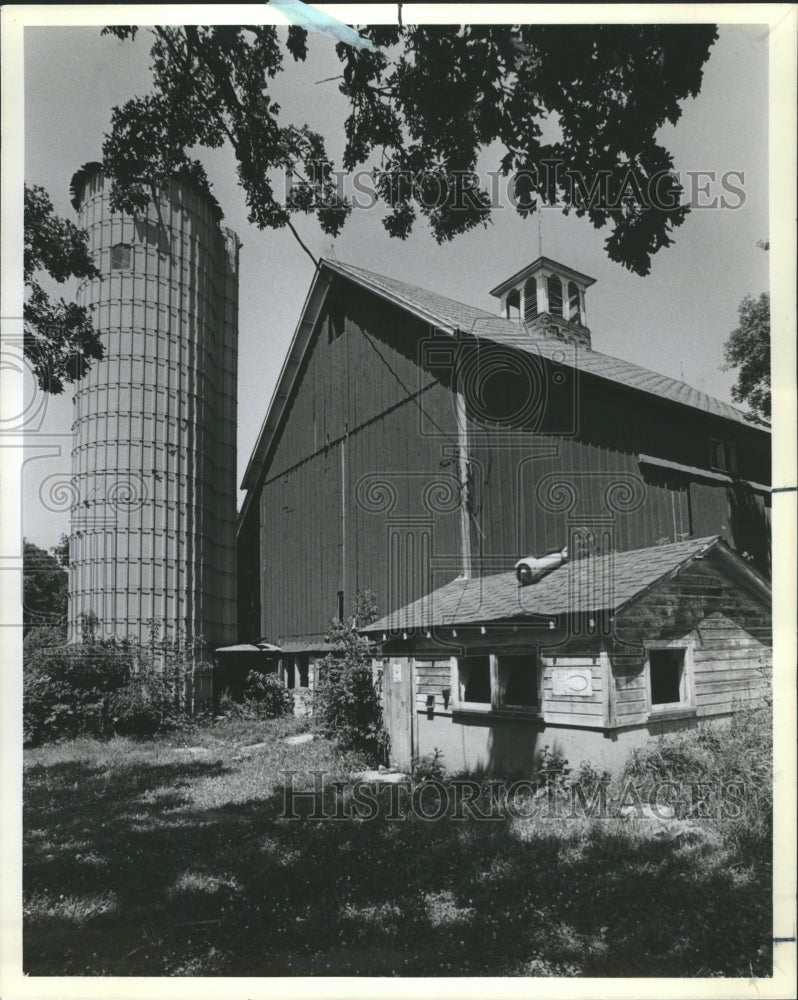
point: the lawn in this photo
(156, 858)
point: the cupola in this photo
(548, 298)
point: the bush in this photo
(430, 768)
(267, 696)
(101, 686)
(739, 752)
(348, 709)
(347, 703)
(66, 688)
(140, 708)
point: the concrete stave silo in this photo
(154, 459)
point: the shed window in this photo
(474, 677)
(555, 295)
(120, 257)
(302, 670)
(495, 683)
(668, 677)
(518, 681)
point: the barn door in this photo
(398, 688)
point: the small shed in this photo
(301, 664)
(233, 663)
(595, 658)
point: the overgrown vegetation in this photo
(264, 697)
(347, 705)
(515, 897)
(100, 687)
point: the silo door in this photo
(398, 687)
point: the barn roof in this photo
(458, 318)
(601, 583)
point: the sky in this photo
(674, 321)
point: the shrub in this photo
(348, 709)
(552, 768)
(65, 688)
(140, 708)
(739, 752)
(266, 695)
(430, 768)
(101, 686)
(347, 704)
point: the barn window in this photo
(339, 605)
(668, 677)
(555, 295)
(530, 300)
(120, 257)
(573, 302)
(722, 456)
(513, 305)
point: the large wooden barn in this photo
(412, 440)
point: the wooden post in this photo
(465, 525)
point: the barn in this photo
(413, 440)
(599, 655)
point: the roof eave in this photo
(308, 317)
(424, 314)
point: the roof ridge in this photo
(409, 285)
(681, 390)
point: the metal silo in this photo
(154, 432)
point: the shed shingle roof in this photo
(602, 583)
(457, 316)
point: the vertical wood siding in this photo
(355, 414)
(377, 402)
(531, 485)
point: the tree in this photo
(44, 589)
(60, 341)
(425, 103)
(748, 350)
(61, 551)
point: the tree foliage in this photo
(44, 589)
(424, 106)
(60, 341)
(748, 351)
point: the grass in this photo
(142, 858)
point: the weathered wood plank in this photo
(588, 721)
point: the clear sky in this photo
(674, 321)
